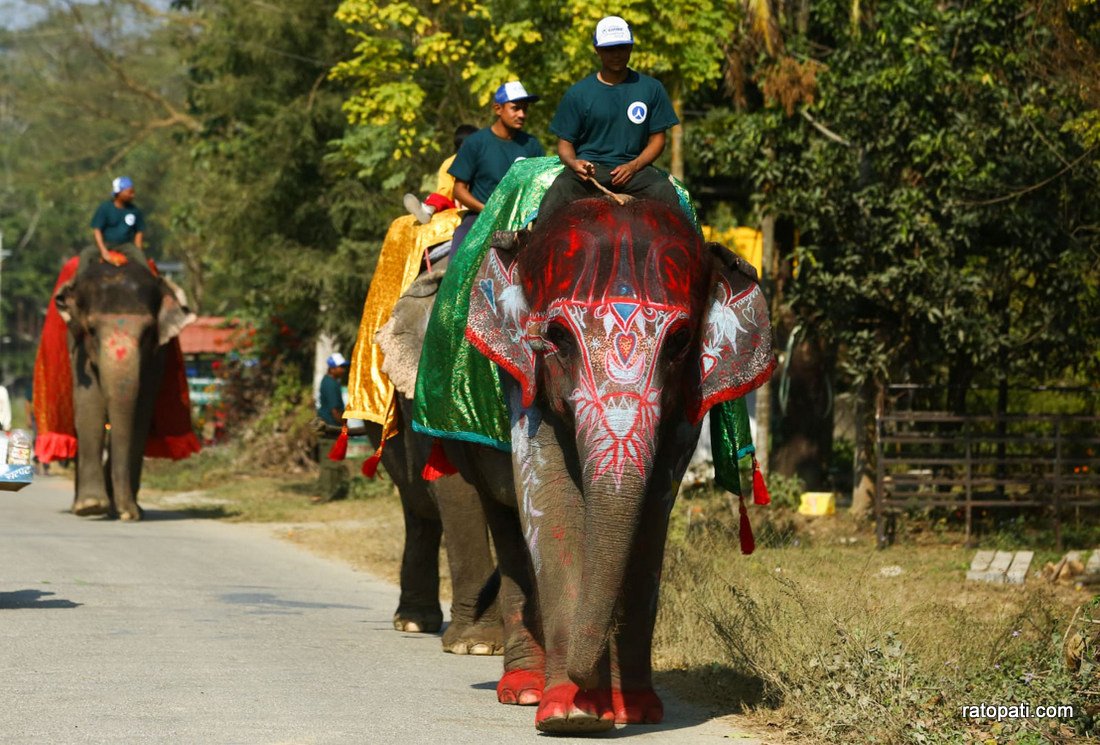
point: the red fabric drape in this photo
(171, 435)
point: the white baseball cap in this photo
(612, 32)
(336, 360)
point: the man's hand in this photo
(584, 169)
(622, 174)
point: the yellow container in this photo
(817, 503)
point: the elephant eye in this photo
(559, 336)
(676, 345)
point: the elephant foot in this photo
(130, 515)
(521, 687)
(642, 706)
(91, 506)
(417, 623)
(479, 639)
(566, 710)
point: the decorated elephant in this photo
(616, 329)
(120, 321)
(383, 367)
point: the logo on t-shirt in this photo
(637, 112)
(130, 219)
(519, 158)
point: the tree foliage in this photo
(948, 232)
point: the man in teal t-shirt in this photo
(118, 226)
(611, 127)
(333, 483)
(487, 154)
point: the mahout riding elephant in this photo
(446, 507)
(617, 328)
(120, 319)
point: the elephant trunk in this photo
(612, 512)
(120, 381)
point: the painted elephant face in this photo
(620, 315)
(119, 315)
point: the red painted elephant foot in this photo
(642, 706)
(565, 709)
(522, 687)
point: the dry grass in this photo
(835, 641)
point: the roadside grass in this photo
(827, 639)
(817, 637)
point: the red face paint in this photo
(620, 280)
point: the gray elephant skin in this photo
(119, 321)
(616, 328)
(445, 507)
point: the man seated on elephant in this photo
(486, 155)
(611, 127)
(118, 226)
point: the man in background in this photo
(330, 408)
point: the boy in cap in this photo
(118, 226)
(330, 408)
(611, 127)
(487, 154)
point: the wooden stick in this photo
(620, 199)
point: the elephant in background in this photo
(618, 329)
(119, 320)
(447, 508)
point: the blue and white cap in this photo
(612, 32)
(512, 92)
(122, 183)
(336, 360)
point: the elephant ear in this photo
(499, 315)
(174, 314)
(65, 301)
(735, 354)
(401, 338)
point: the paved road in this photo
(193, 631)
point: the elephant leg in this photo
(90, 417)
(418, 610)
(553, 522)
(524, 676)
(466, 538)
(490, 472)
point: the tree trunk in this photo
(676, 148)
(863, 492)
(764, 394)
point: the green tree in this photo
(86, 92)
(943, 204)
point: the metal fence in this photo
(933, 459)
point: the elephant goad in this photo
(120, 322)
(618, 328)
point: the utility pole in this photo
(3, 328)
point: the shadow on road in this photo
(213, 512)
(266, 600)
(32, 599)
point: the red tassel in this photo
(340, 449)
(759, 488)
(437, 466)
(370, 465)
(748, 543)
